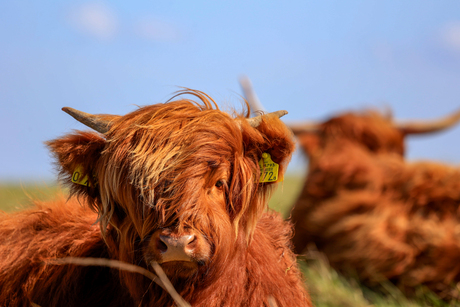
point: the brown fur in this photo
(372, 213)
(156, 169)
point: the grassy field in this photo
(326, 286)
(18, 196)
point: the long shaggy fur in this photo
(373, 214)
(157, 168)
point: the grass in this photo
(327, 288)
(286, 194)
(15, 196)
(330, 289)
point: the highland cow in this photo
(372, 213)
(176, 184)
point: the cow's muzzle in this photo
(176, 248)
(185, 246)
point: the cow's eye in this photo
(219, 183)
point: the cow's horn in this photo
(255, 121)
(419, 127)
(93, 121)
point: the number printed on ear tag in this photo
(268, 169)
(77, 177)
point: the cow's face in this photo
(370, 130)
(376, 133)
(187, 206)
(181, 184)
(176, 183)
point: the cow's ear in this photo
(77, 156)
(249, 194)
(272, 137)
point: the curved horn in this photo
(255, 121)
(93, 121)
(418, 127)
(250, 95)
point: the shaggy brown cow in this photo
(370, 211)
(175, 183)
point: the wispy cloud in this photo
(100, 21)
(450, 36)
(152, 28)
(95, 19)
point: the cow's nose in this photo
(176, 248)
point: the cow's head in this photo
(177, 183)
(371, 130)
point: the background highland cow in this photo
(372, 213)
(175, 183)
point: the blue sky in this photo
(312, 58)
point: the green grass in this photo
(285, 195)
(19, 196)
(327, 288)
(330, 289)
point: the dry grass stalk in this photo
(272, 302)
(167, 285)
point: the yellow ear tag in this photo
(77, 177)
(268, 169)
